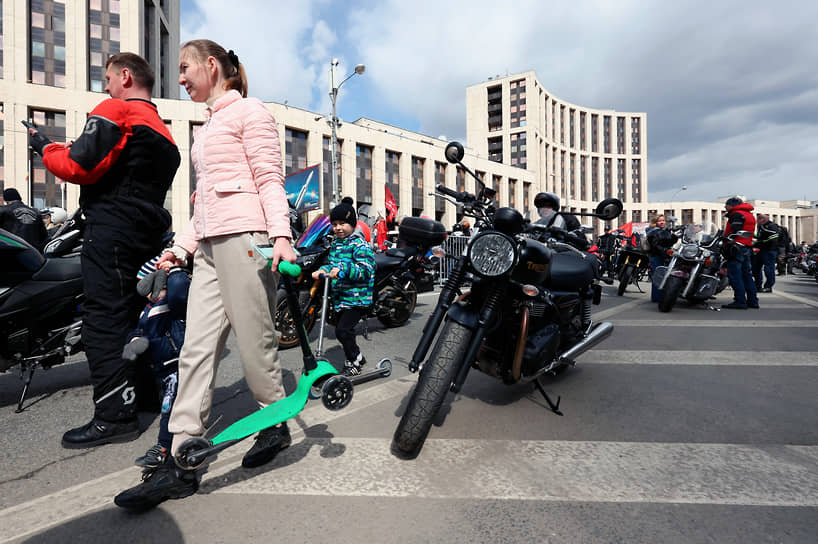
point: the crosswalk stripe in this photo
(802, 300)
(725, 474)
(736, 358)
(732, 323)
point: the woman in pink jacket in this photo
(239, 202)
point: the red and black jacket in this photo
(125, 160)
(741, 218)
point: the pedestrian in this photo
(157, 341)
(124, 162)
(22, 220)
(240, 202)
(351, 268)
(659, 240)
(741, 224)
(53, 218)
(767, 241)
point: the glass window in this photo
(59, 52)
(96, 58)
(37, 19)
(95, 31)
(113, 33)
(113, 6)
(38, 49)
(38, 77)
(95, 4)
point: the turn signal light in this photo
(708, 262)
(438, 252)
(670, 252)
(530, 290)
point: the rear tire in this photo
(285, 325)
(625, 279)
(435, 379)
(673, 286)
(402, 305)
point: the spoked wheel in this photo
(397, 305)
(337, 392)
(186, 458)
(285, 324)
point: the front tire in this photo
(625, 279)
(285, 324)
(673, 286)
(435, 379)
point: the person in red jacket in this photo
(740, 219)
(124, 162)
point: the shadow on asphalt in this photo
(116, 525)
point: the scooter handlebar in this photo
(290, 269)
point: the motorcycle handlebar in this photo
(457, 195)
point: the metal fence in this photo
(454, 246)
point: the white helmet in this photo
(58, 215)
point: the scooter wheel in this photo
(386, 366)
(186, 458)
(337, 392)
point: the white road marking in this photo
(796, 298)
(788, 324)
(727, 358)
(725, 474)
(56, 508)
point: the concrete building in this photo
(520, 138)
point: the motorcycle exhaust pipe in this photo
(598, 334)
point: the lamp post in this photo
(333, 95)
(683, 188)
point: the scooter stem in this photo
(320, 352)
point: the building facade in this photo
(520, 139)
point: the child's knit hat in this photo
(344, 212)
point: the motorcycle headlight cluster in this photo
(706, 253)
(690, 251)
(492, 254)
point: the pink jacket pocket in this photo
(236, 187)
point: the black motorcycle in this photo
(397, 272)
(527, 314)
(40, 308)
(632, 264)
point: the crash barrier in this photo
(454, 246)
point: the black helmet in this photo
(733, 201)
(547, 200)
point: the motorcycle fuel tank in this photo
(534, 263)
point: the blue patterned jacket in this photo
(356, 279)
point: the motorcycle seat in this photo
(59, 269)
(402, 252)
(385, 261)
(569, 271)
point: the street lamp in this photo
(683, 188)
(333, 95)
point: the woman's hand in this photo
(168, 260)
(282, 251)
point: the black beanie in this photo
(344, 212)
(12, 194)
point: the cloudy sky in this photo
(730, 87)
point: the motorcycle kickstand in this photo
(26, 383)
(554, 407)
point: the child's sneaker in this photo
(154, 457)
(353, 368)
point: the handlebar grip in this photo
(290, 269)
(448, 192)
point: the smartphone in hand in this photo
(28, 124)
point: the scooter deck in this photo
(382, 370)
(278, 412)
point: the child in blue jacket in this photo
(157, 341)
(351, 266)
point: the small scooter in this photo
(336, 389)
(382, 370)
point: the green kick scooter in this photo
(336, 389)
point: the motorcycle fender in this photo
(680, 273)
(462, 314)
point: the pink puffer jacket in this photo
(239, 177)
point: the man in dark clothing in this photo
(767, 242)
(125, 160)
(22, 220)
(741, 223)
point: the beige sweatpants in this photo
(232, 287)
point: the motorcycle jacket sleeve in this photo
(767, 236)
(103, 138)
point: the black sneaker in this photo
(167, 481)
(154, 457)
(734, 306)
(268, 443)
(766, 290)
(353, 368)
(97, 432)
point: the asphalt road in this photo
(692, 426)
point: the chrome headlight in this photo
(690, 251)
(492, 254)
(706, 253)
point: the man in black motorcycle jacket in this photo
(22, 220)
(124, 161)
(768, 236)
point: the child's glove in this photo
(152, 284)
(135, 348)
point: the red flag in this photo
(391, 206)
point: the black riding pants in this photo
(111, 258)
(345, 331)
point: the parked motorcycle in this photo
(527, 314)
(697, 270)
(397, 272)
(40, 300)
(67, 239)
(632, 265)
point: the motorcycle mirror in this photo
(454, 152)
(609, 209)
